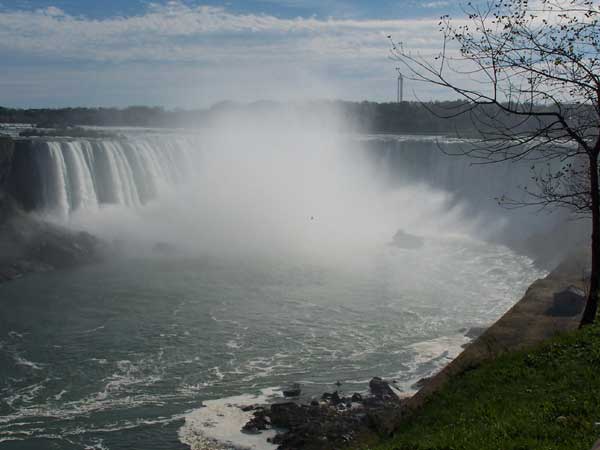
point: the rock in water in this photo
(293, 391)
(381, 389)
(331, 398)
(402, 239)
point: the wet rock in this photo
(334, 422)
(258, 423)
(405, 240)
(356, 398)
(333, 398)
(286, 414)
(292, 391)
(381, 389)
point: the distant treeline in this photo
(405, 117)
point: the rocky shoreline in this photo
(550, 306)
(330, 422)
(334, 420)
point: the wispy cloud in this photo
(178, 32)
(212, 40)
(436, 4)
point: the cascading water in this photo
(83, 174)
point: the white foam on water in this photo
(124, 425)
(100, 361)
(233, 344)
(26, 394)
(429, 357)
(60, 394)
(22, 361)
(218, 424)
(93, 330)
(15, 335)
(96, 445)
(442, 348)
(217, 371)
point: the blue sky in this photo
(359, 9)
(195, 53)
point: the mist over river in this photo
(240, 263)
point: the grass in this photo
(547, 398)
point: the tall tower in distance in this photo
(400, 92)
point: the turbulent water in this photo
(122, 355)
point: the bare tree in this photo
(529, 75)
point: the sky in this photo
(192, 54)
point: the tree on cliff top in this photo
(530, 74)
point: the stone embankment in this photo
(550, 306)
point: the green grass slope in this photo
(547, 398)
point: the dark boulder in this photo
(333, 398)
(286, 414)
(357, 398)
(381, 389)
(260, 422)
(293, 391)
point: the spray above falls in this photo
(242, 188)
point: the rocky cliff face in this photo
(27, 244)
(25, 181)
(7, 150)
(30, 245)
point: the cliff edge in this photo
(29, 244)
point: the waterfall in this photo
(74, 175)
(84, 174)
(83, 191)
(56, 190)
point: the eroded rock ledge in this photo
(28, 245)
